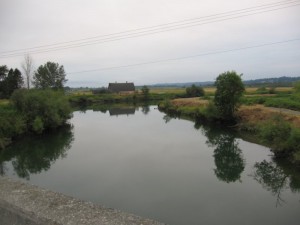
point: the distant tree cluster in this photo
(48, 76)
(194, 91)
(145, 92)
(10, 80)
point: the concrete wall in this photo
(22, 204)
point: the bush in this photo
(38, 125)
(194, 91)
(274, 133)
(261, 90)
(280, 136)
(210, 112)
(287, 103)
(42, 109)
(11, 124)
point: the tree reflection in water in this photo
(36, 154)
(228, 156)
(145, 109)
(276, 176)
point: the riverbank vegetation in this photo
(47, 106)
(32, 111)
(35, 110)
(276, 126)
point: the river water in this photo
(139, 160)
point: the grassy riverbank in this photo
(109, 98)
(277, 128)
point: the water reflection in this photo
(121, 111)
(145, 109)
(33, 155)
(167, 118)
(228, 156)
(276, 176)
(115, 109)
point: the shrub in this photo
(261, 90)
(11, 124)
(42, 109)
(274, 133)
(272, 90)
(287, 103)
(280, 136)
(194, 91)
(210, 112)
(38, 125)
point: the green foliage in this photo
(272, 90)
(280, 136)
(194, 91)
(145, 92)
(38, 125)
(297, 87)
(285, 102)
(10, 80)
(230, 89)
(50, 75)
(166, 104)
(251, 100)
(210, 112)
(294, 139)
(11, 124)
(261, 90)
(42, 109)
(274, 132)
(264, 90)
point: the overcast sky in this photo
(31, 23)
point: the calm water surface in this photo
(141, 161)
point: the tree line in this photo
(32, 110)
(49, 75)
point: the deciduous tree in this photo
(27, 67)
(230, 89)
(50, 75)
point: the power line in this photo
(186, 57)
(165, 24)
(154, 29)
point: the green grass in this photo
(287, 103)
(4, 102)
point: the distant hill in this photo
(283, 81)
(278, 81)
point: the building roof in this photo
(120, 87)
